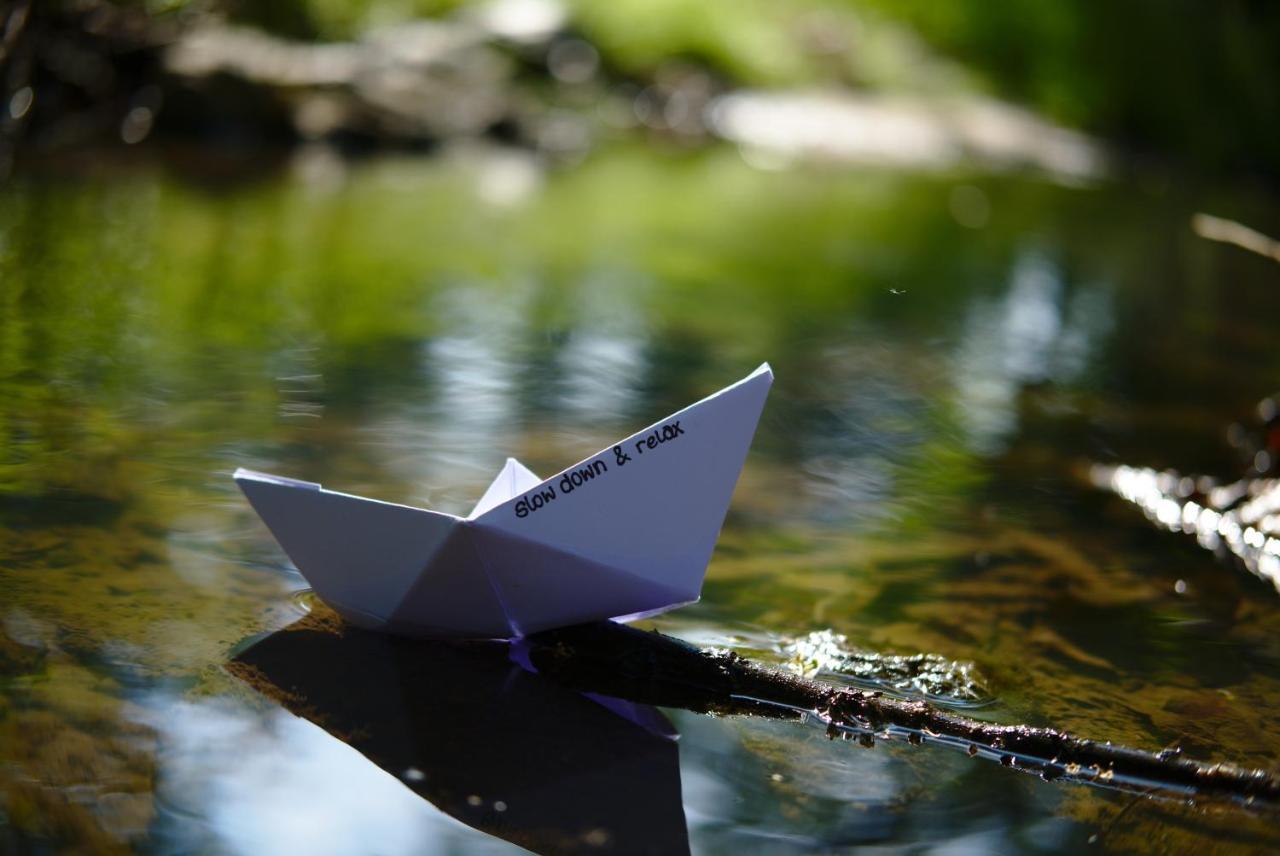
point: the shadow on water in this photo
(495, 746)
(518, 740)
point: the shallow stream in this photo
(952, 352)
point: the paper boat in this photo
(625, 533)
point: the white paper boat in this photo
(624, 533)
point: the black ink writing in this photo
(535, 500)
(658, 436)
(582, 475)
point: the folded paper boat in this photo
(625, 533)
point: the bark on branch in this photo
(314, 666)
(651, 668)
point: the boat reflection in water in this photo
(482, 738)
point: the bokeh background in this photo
(1187, 82)
(990, 250)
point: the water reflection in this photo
(1042, 330)
(401, 332)
(602, 361)
(485, 741)
(468, 370)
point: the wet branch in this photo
(655, 669)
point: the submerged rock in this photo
(425, 80)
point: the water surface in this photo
(952, 351)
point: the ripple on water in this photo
(825, 653)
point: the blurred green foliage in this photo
(751, 41)
(194, 300)
(1197, 79)
(177, 320)
(331, 19)
(1192, 79)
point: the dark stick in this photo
(648, 667)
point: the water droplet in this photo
(304, 601)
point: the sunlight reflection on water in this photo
(288, 787)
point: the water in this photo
(397, 328)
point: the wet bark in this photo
(655, 669)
